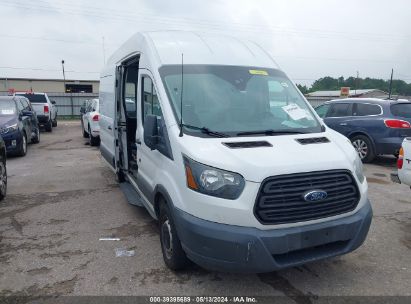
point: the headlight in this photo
(359, 168)
(213, 181)
(8, 129)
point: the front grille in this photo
(281, 198)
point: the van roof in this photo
(198, 48)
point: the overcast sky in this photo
(308, 39)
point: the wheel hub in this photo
(167, 238)
(361, 147)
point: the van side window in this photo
(150, 103)
(130, 91)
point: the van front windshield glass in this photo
(237, 100)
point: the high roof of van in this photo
(166, 47)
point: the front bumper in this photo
(242, 249)
(11, 137)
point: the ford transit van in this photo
(217, 143)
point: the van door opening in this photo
(127, 116)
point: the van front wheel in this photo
(173, 254)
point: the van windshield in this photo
(237, 101)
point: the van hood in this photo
(285, 155)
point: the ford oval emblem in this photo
(315, 195)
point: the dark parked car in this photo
(374, 126)
(18, 124)
(3, 170)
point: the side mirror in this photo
(27, 113)
(53, 102)
(151, 131)
(82, 109)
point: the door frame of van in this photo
(120, 114)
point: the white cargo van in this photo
(228, 155)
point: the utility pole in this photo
(64, 76)
(71, 94)
(390, 91)
(356, 83)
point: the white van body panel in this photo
(286, 156)
(292, 157)
(160, 48)
(166, 47)
(405, 173)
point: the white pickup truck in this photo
(45, 108)
(404, 164)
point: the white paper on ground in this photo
(120, 252)
(109, 239)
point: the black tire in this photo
(3, 178)
(36, 138)
(49, 126)
(94, 141)
(364, 148)
(54, 123)
(85, 134)
(22, 151)
(173, 254)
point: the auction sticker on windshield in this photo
(295, 112)
(259, 72)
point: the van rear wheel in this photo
(173, 254)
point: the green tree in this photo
(302, 88)
(399, 87)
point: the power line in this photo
(217, 26)
(207, 22)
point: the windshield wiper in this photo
(270, 132)
(207, 131)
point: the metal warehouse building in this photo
(69, 95)
(49, 85)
